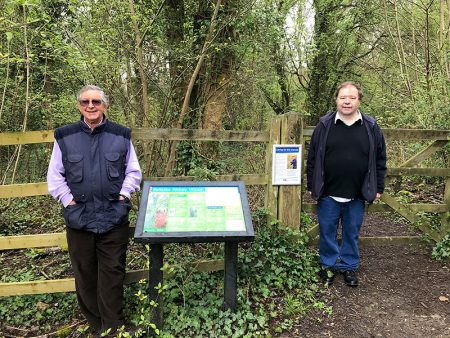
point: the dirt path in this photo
(402, 293)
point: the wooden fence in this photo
(284, 202)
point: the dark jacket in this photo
(374, 179)
(94, 164)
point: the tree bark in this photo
(319, 89)
(141, 118)
(6, 75)
(220, 73)
(175, 19)
(445, 62)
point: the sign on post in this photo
(180, 212)
(286, 164)
(193, 212)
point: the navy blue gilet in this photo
(94, 163)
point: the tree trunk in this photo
(187, 97)
(175, 19)
(318, 90)
(141, 118)
(217, 100)
(427, 54)
(9, 38)
(445, 62)
(220, 72)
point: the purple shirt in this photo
(57, 184)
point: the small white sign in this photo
(286, 164)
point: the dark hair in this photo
(346, 84)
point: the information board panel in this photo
(286, 164)
(181, 211)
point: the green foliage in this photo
(203, 174)
(441, 250)
(188, 156)
(44, 311)
(192, 162)
(277, 283)
(41, 212)
(306, 221)
(277, 279)
(404, 196)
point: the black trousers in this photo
(98, 262)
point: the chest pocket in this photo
(114, 166)
(74, 168)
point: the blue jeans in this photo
(351, 215)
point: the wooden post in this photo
(284, 202)
(289, 196)
(445, 223)
(271, 202)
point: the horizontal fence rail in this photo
(57, 239)
(31, 137)
(23, 190)
(28, 137)
(438, 208)
(199, 135)
(68, 284)
(39, 189)
(403, 134)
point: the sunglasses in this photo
(85, 103)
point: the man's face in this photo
(347, 101)
(91, 106)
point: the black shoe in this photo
(327, 276)
(350, 278)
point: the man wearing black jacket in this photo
(346, 167)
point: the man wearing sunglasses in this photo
(92, 172)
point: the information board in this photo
(193, 212)
(286, 164)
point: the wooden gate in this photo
(439, 139)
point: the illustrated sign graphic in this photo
(180, 209)
(286, 164)
(190, 211)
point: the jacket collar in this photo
(99, 128)
(331, 116)
(339, 117)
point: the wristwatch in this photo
(125, 198)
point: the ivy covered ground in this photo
(277, 272)
(403, 292)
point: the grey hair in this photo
(92, 87)
(346, 84)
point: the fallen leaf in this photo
(443, 299)
(42, 305)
